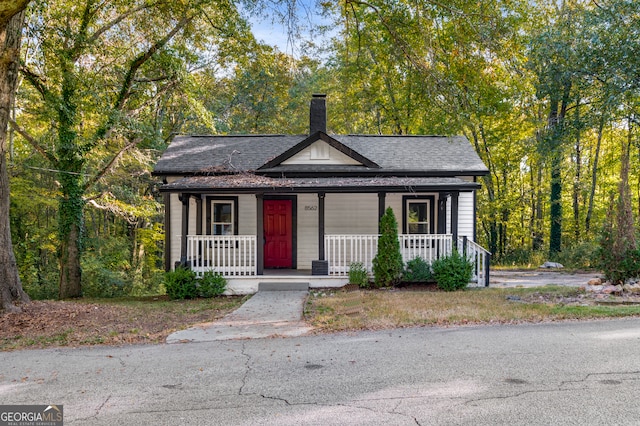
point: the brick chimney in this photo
(318, 114)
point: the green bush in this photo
(387, 264)
(618, 269)
(211, 284)
(358, 275)
(452, 272)
(582, 255)
(106, 269)
(102, 282)
(618, 257)
(181, 284)
(417, 270)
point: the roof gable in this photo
(320, 149)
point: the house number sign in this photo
(311, 208)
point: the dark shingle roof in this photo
(425, 155)
(250, 182)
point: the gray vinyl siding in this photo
(247, 212)
(394, 200)
(351, 214)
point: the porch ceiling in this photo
(250, 183)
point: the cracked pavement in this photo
(550, 373)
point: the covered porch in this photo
(314, 232)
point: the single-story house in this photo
(279, 208)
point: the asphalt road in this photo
(571, 373)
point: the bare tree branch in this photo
(36, 81)
(112, 208)
(127, 84)
(152, 100)
(110, 164)
(125, 91)
(34, 143)
(106, 27)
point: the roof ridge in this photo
(238, 135)
(400, 136)
(245, 135)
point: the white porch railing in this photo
(480, 258)
(343, 250)
(236, 255)
(230, 255)
(427, 246)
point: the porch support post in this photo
(321, 196)
(475, 212)
(184, 198)
(454, 215)
(381, 205)
(167, 231)
(442, 213)
(260, 234)
(487, 266)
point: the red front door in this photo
(278, 236)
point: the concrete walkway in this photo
(266, 314)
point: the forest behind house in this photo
(548, 93)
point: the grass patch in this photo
(384, 309)
(118, 321)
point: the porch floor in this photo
(274, 278)
(287, 272)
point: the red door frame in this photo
(279, 232)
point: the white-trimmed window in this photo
(418, 217)
(222, 214)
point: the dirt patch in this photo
(538, 278)
(69, 323)
(580, 299)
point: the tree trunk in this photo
(625, 231)
(555, 208)
(491, 228)
(557, 113)
(71, 205)
(594, 176)
(577, 177)
(70, 275)
(10, 285)
(538, 216)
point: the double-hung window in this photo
(222, 218)
(418, 219)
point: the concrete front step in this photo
(283, 286)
